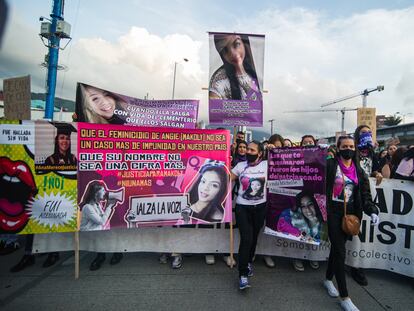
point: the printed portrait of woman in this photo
(237, 78)
(99, 106)
(62, 154)
(96, 207)
(255, 190)
(306, 202)
(208, 193)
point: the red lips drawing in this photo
(17, 187)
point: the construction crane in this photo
(343, 110)
(364, 95)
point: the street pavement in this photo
(140, 282)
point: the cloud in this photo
(310, 59)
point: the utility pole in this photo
(271, 126)
(53, 30)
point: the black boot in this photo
(116, 258)
(97, 262)
(26, 261)
(51, 259)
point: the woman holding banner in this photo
(344, 175)
(236, 79)
(250, 210)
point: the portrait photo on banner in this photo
(297, 195)
(236, 78)
(96, 105)
(56, 146)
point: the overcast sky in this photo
(315, 51)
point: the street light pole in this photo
(271, 126)
(175, 72)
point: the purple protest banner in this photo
(236, 79)
(95, 105)
(297, 196)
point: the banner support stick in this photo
(76, 255)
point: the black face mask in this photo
(251, 157)
(347, 154)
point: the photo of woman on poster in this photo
(99, 106)
(255, 189)
(306, 202)
(236, 79)
(62, 154)
(95, 215)
(208, 193)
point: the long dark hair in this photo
(89, 196)
(66, 157)
(309, 194)
(220, 170)
(248, 65)
(249, 189)
(236, 156)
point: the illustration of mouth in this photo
(17, 186)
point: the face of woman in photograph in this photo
(63, 141)
(255, 185)
(100, 194)
(209, 186)
(234, 51)
(242, 149)
(308, 209)
(100, 102)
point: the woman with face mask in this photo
(345, 180)
(250, 209)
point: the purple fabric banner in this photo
(95, 105)
(236, 79)
(297, 197)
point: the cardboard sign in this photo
(367, 116)
(17, 98)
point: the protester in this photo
(388, 170)
(240, 135)
(344, 173)
(250, 212)
(405, 169)
(236, 79)
(370, 164)
(287, 143)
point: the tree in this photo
(392, 120)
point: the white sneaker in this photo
(298, 265)
(330, 287)
(314, 264)
(269, 261)
(210, 260)
(177, 262)
(347, 305)
(163, 258)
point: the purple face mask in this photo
(365, 140)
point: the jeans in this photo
(250, 219)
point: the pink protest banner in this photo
(96, 105)
(134, 176)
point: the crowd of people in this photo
(350, 162)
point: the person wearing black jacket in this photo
(345, 180)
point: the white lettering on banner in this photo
(389, 246)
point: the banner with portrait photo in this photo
(297, 196)
(134, 176)
(33, 202)
(236, 79)
(95, 105)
